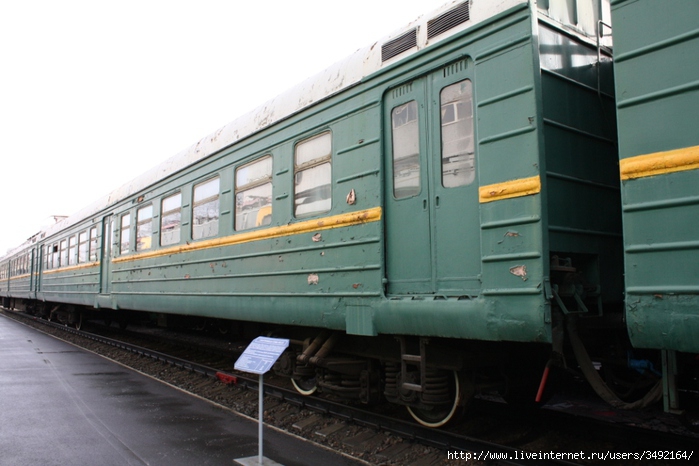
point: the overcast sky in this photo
(94, 93)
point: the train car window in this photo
(125, 244)
(406, 150)
(144, 228)
(170, 219)
(55, 256)
(312, 175)
(253, 194)
(457, 135)
(205, 209)
(93, 244)
(47, 257)
(63, 260)
(72, 250)
(82, 247)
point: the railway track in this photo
(376, 437)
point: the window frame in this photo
(72, 250)
(124, 246)
(63, 248)
(308, 165)
(164, 214)
(94, 245)
(457, 106)
(412, 118)
(257, 183)
(83, 245)
(205, 201)
(141, 226)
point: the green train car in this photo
(439, 215)
(657, 86)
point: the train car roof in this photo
(452, 17)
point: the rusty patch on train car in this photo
(519, 271)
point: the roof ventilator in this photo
(448, 20)
(399, 45)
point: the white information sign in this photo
(261, 354)
(258, 358)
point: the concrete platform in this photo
(60, 405)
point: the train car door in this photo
(34, 264)
(106, 256)
(432, 210)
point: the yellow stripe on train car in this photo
(659, 163)
(318, 224)
(509, 189)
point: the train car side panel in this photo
(583, 193)
(658, 95)
(510, 186)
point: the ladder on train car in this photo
(414, 360)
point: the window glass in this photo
(72, 249)
(205, 209)
(406, 150)
(253, 194)
(82, 247)
(47, 257)
(457, 135)
(63, 261)
(171, 219)
(312, 175)
(125, 233)
(144, 228)
(55, 256)
(93, 244)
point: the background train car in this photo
(656, 48)
(436, 216)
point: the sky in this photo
(95, 93)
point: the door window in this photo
(406, 150)
(457, 135)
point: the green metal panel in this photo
(582, 183)
(432, 240)
(274, 280)
(509, 148)
(656, 46)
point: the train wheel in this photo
(439, 416)
(305, 386)
(78, 324)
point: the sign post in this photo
(258, 358)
